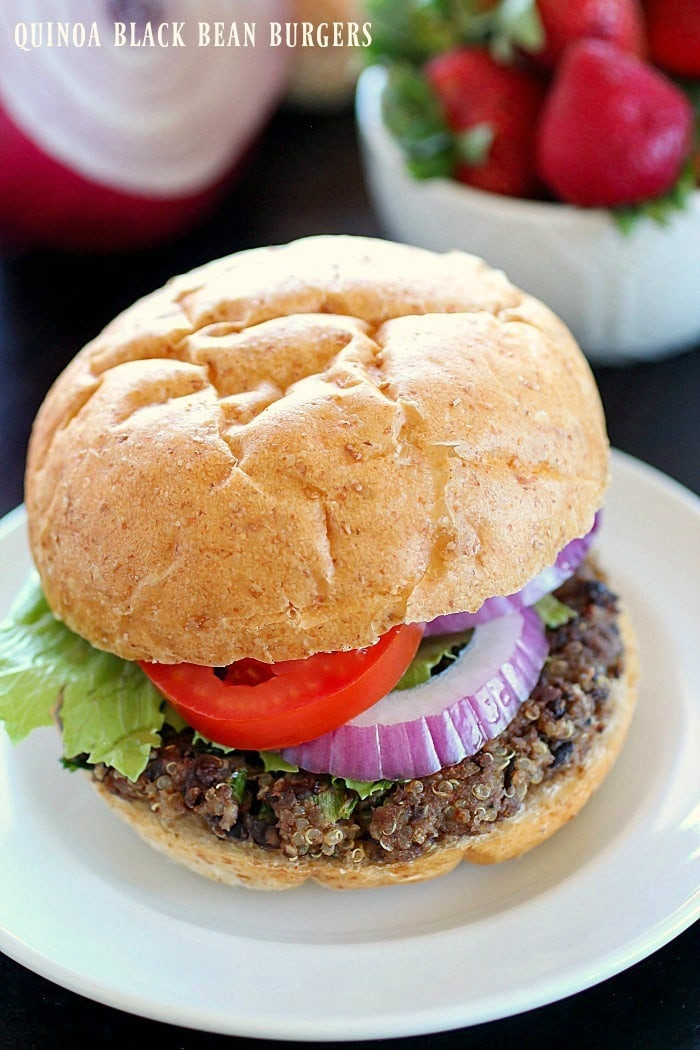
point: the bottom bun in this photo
(547, 807)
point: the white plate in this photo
(84, 903)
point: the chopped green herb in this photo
(238, 781)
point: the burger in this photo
(314, 593)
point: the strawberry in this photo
(614, 130)
(674, 35)
(497, 106)
(566, 21)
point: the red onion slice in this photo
(414, 732)
(568, 561)
(155, 121)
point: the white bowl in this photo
(625, 297)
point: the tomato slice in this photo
(262, 707)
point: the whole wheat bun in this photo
(292, 449)
(547, 807)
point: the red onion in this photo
(110, 139)
(414, 732)
(568, 561)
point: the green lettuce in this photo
(552, 612)
(108, 709)
(207, 744)
(365, 788)
(173, 718)
(431, 653)
(274, 763)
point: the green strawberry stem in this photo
(415, 30)
(659, 209)
(414, 116)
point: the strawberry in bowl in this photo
(494, 110)
(546, 138)
(614, 131)
(618, 22)
(673, 27)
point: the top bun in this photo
(292, 449)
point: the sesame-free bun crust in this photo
(547, 807)
(292, 449)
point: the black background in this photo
(303, 178)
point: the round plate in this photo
(85, 903)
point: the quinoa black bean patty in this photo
(305, 814)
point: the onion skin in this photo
(429, 740)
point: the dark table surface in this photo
(305, 178)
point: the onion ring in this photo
(568, 561)
(414, 732)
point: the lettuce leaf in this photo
(552, 612)
(274, 763)
(365, 788)
(107, 707)
(432, 652)
(173, 718)
(205, 741)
